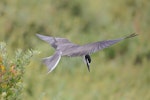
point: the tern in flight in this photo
(64, 47)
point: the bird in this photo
(63, 47)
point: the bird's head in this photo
(88, 61)
(88, 58)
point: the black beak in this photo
(88, 66)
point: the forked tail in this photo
(52, 61)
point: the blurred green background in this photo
(121, 72)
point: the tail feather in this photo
(52, 61)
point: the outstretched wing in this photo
(53, 41)
(93, 47)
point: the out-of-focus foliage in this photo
(119, 72)
(12, 72)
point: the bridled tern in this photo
(64, 47)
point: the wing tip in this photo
(39, 35)
(131, 35)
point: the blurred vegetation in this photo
(11, 72)
(119, 72)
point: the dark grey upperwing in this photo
(93, 47)
(53, 41)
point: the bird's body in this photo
(64, 47)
